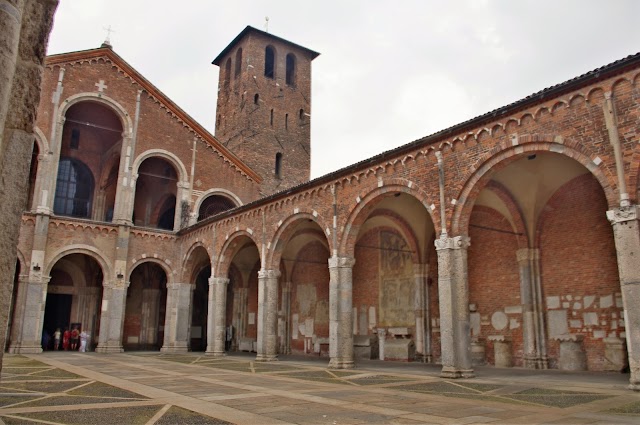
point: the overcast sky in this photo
(388, 73)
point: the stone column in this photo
(285, 319)
(626, 232)
(183, 194)
(217, 316)
(453, 292)
(27, 330)
(534, 335)
(87, 308)
(341, 312)
(114, 301)
(420, 272)
(176, 336)
(267, 315)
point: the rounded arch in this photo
(23, 270)
(358, 215)
(229, 250)
(163, 265)
(41, 140)
(216, 191)
(89, 250)
(72, 269)
(101, 98)
(188, 265)
(285, 232)
(166, 155)
(479, 179)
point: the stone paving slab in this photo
(194, 388)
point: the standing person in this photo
(56, 339)
(65, 339)
(75, 334)
(83, 341)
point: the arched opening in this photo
(238, 62)
(278, 167)
(270, 62)
(74, 295)
(12, 306)
(214, 204)
(291, 70)
(242, 296)
(540, 239)
(256, 99)
(394, 301)
(145, 308)
(156, 189)
(90, 147)
(33, 172)
(199, 264)
(227, 72)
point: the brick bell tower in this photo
(264, 107)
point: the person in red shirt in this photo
(65, 339)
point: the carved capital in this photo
(218, 281)
(623, 214)
(268, 274)
(347, 262)
(458, 242)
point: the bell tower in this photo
(264, 107)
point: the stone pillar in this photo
(382, 338)
(420, 273)
(285, 319)
(87, 312)
(25, 27)
(178, 319)
(114, 301)
(341, 312)
(453, 292)
(626, 232)
(183, 194)
(534, 336)
(217, 316)
(267, 315)
(27, 330)
(615, 354)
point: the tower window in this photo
(286, 121)
(256, 99)
(271, 119)
(291, 70)
(269, 62)
(301, 114)
(278, 170)
(227, 72)
(238, 62)
(75, 139)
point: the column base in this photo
(453, 373)
(335, 363)
(215, 353)
(535, 362)
(109, 348)
(266, 357)
(174, 349)
(25, 349)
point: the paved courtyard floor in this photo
(191, 388)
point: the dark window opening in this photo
(286, 121)
(214, 204)
(271, 119)
(75, 139)
(301, 114)
(238, 62)
(227, 72)
(278, 170)
(74, 189)
(269, 62)
(256, 99)
(291, 70)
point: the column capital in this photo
(178, 285)
(116, 284)
(268, 274)
(218, 281)
(341, 262)
(457, 242)
(526, 254)
(623, 214)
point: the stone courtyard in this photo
(190, 388)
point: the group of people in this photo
(69, 340)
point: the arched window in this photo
(286, 121)
(271, 119)
(74, 189)
(291, 70)
(238, 62)
(256, 99)
(227, 72)
(301, 114)
(214, 204)
(278, 170)
(270, 62)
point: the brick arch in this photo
(163, 265)
(483, 173)
(117, 108)
(188, 266)
(286, 231)
(227, 253)
(22, 264)
(89, 250)
(170, 157)
(634, 184)
(514, 209)
(216, 191)
(404, 229)
(359, 214)
(41, 140)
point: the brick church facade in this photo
(510, 239)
